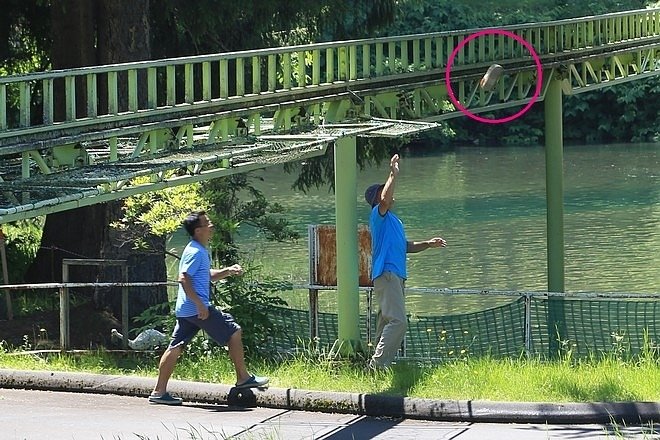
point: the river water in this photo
(489, 204)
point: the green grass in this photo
(608, 379)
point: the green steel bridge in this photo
(76, 137)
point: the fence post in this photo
(528, 324)
(313, 314)
(64, 309)
(5, 276)
(64, 296)
(370, 299)
(124, 306)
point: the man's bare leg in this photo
(237, 356)
(166, 368)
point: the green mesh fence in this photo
(293, 326)
(498, 331)
(295, 329)
(585, 326)
(593, 326)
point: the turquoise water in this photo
(489, 204)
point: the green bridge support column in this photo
(554, 177)
(347, 244)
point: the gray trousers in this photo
(391, 318)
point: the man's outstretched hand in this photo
(437, 242)
(394, 164)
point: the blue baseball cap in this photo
(371, 194)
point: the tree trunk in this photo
(124, 35)
(73, 31)
(78, 233)
(123, 31)
(88, 33)
(142, 265)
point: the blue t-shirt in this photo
(196, 262)
(388, 244)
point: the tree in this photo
(24, 36)
(119, 31)
(87, 33)
(187, 28)
(235, 201)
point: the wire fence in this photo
(542, 324)
(532, 323)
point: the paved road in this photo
(82, 406)
(26, 414)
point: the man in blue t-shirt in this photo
(194, 311)
(388, 266)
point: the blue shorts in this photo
(219, 326)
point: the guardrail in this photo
(63, 287)
(64, 298)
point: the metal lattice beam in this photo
(47, 193)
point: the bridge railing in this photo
(38, 108)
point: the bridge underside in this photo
(100, 180)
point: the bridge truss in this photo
(76, 137)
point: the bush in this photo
(22, 240)
(248, 301)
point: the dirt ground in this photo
(89, 329)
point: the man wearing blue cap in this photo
(388, 266)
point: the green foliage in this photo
(27, 302)
(158, 213)
(628, 112)
(235, 201)
(155, 317)
(248, 299)
(252, 24)
(356, 18)
(24, 45)
(24, 36)
(22, 240)
(422, 16)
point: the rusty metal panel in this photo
(364, 256)
(323, 255)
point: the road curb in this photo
(364, 404)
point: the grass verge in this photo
(526, 380)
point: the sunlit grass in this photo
(534, 380)
(606, 379)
